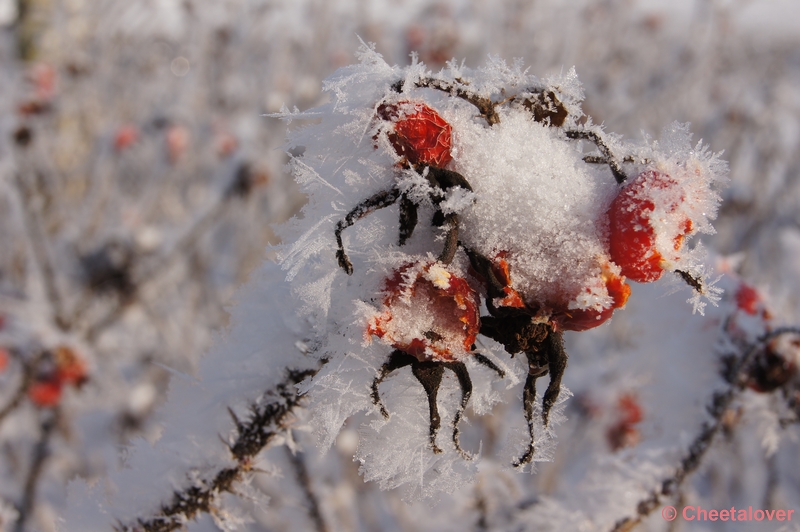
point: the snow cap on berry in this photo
(684, 191)
(537, 201)
(429, 312)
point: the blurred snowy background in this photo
(140, 182)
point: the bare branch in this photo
(40, 453)
(303, 478)
(607, 155)
(486, 107)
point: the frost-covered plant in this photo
(101, 136)
(496, 197)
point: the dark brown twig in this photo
(607, 156)
(40, 453)
(486, 107)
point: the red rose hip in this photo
(428, 312)
(642, 217)
(419, 134)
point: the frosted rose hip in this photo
(647, 205)
(67, 368)
(45, 393)
(561, 317)
(584, 319)
(420, 134)
(428, 312)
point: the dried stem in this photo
(39, 252)
(457, 88)
(607, 156)
(40, 454)
(28, 370)
(265, 423)
(720, 402)
(301, 471)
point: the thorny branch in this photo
(719, 405)
(265, 423)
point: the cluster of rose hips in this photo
(431, 309)
(420, 136)
(43, 81)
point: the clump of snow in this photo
(537, 201)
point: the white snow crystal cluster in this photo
(537, 210)
(537, 201)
